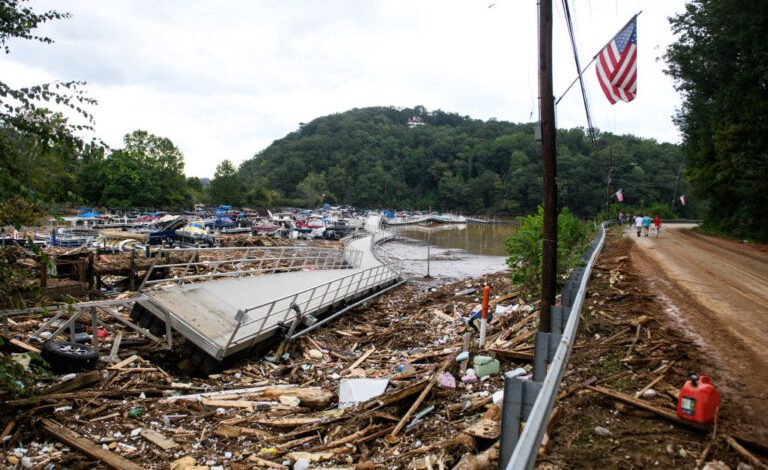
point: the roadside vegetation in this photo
(524, 248)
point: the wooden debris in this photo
(73, 384)
(88, 447)
(158, 439)
(485, 429)
(266, 463)
(744, 452)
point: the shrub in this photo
(524, 248)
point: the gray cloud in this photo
(224, 79)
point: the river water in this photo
(455, 251)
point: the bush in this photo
(524, 248)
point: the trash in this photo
(27, 462)
(498, 398)
(315, 354)
(469, 291)
(134, 412)
(405, 367)
(353, 391)
(447, 380)
(13, 460)
(268, 452)
(515, 373)
(601, 431)
(470, 377)
(485, 365)
(289, 400)
(462, 356)
(301, 464)
(649, 393)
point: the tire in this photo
(65, 357)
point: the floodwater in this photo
(451, 251)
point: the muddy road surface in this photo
(716, 292)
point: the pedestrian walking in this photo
(657, 225)
(621, 219)
(646, 225)
(639, 224)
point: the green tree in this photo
(720, 66)
(18, 21)
(225, 185)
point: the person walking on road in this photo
(657, 225)
(646, 225)
(621, 219)
(639, 224)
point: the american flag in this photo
(617, 65)
(620, 195)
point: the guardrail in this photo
(253, 260)
(532, 401)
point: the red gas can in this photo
(698, 400)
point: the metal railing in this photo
(527, 447)
(253, 321)
(235, 262)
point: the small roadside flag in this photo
(617, 65)
(620, 195)
(682, 199)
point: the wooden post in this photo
(549, 165)
(43, 275)
(132, 278)
(90, 273)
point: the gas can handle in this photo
(705, 379)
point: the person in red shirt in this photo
(657, 225)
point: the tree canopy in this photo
(371, 157)
(720, 66)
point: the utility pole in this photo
(677, 186)
(549, 165)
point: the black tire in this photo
(65, 357)
(157, 327)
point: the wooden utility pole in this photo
(549, 164)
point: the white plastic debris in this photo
(353, 391)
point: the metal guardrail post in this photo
(527, 446)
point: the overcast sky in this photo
(224, 79)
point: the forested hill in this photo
(371, 157)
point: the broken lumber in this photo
(158, 439)
(73, 384)
(313, 397)
(88, 447)
(744, 452)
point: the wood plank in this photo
(158, 439)
(88, 447)
(73, 384)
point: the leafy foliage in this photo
(147, 173)
(370, 158)
(525, 248)
(19, 21)
(720, 65)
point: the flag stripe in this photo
(616, 67)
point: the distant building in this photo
(415, 121)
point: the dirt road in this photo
(717, 292)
